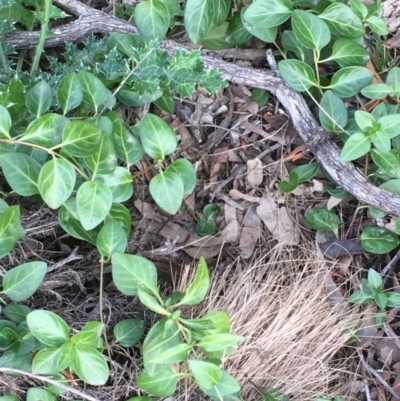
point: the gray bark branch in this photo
(326, 152)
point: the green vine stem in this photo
(3, 59)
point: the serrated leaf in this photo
(21, 172)
(93, 202)
(198, 19)
(152, 19)
(70, 92)
(56, 182)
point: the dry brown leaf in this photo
(149, 211)
(237, 195)
(277, 220)
(254, 172)
(333, 202)
(248, 241)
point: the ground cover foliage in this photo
(89, 147)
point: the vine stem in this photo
(42, 37)
(3, 59)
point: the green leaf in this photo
(260, 96)
(16, 313)
(349, 81)
(322, 219)
(9, 397)
(306, 171)
(48, 327)
(45, 361)
(236, 34)
(80, 138)
(158, 138)
(85, 339)
(379, 240)
(206, 374)
(91, 366)
(104, 159)
(392, 299)
(360, 297)
(332, 112)
(166, 102)
(122, 215)
(215, 38)
(120, 183)
(310, 30)
(5, 122)
(39, 98)
(348, 53)
(111, 239)
(389, 162)
(218, 342)
(364, 120)
(390, 124)
(359, 8)
(377, 25)
(95, 92)
(21, 172)
(375, 280)
(205, 227)
(342, 21)
(175, 354)
(221, 11)
(356, 146)
(148, 300)
(161, 385)
(186, 172)
(381, 140)
(265, 14)
(10, 229)
(70, 92)
(93, 202)
(126, 145)
(198, 19)
(376, 91)
(46, 130)
(152, 19)
(129, 331)
(393, 77)
(198, 289)
(22, 281)
(124, 43)
(131, 272)
(56, 182)
(167, 190)
(39, 394)
(380, 300)
(67, 356)
(297, 74)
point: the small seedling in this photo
(208, 227)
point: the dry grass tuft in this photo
(295, 329)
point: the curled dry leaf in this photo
(237, 195)
(254, 172)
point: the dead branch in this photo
(325, 150)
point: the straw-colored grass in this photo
(296, 328)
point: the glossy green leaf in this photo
(103, 159)
(10, 229)
(39, 394)
(186, 172)
(80, 138)
(392, 299)
(349, 81)
(5, 122)
(22, 281)
(332, 112)
(152, 19)
(70, 92)
(111, 239)
(297, 74)
(93, 202)
(379, 240)
(205, 227)
(120, 183)
(21, 172)
(375, 280)
(364, 120)
(95, 93)
(389, 162)
(390, 124)
(236, 33)
(85, 338)
(46, 130)
(131, 272)
(377, 25)
(122, 215)
(376, 91)
(158, 138)
(360, 297)
(67, 356)
(166, 102)
(322, 219)
(198, 19)
(16, 313)
(290, 43)
(342, 21)
(260, 96)
(161, 385)
(356, 146)
(221, 11)
(167, 190)
(215, 39)
(126, 145)
(359, 8)
(48, 327)
(56, 182)
(72, 226)
(348, 53)
(310, 31)
(380, 300)
(45, 361)
(306, 171)
(129, 331)
(174, 354)
(393, 77)
(39, 98)
(150, 302)
(218, 342)
(124, 42)
(9, 397)
(381, 140)
(91, 366)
